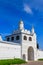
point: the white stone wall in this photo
(39, 54)
(8, 51)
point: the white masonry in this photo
(22, 43)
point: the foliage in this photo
(40, 59)
(12, 61)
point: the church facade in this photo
(22, 43)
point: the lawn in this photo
(40, 59)
(12, 61)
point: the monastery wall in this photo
(9, 51)
(40, 54)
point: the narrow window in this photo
(37, 46)
(12, 38)
(17, 37)
(25, 38)
(30, 39)
(24, 58)
(8, 39)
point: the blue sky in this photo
(30, 11)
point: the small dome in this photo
(21, 22)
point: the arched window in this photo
(17, 37)
(30, 38)
(8, 39)
(25, 38)
(12, 38)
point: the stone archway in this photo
(30, 53)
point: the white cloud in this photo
(27, 9)
(35, 4)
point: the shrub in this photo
(12, 61)
(40, 59)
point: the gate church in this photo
(22, 43)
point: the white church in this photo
(22, 43)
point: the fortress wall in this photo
(40, 54)
(8, 51)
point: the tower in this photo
(29, 45)
(21, 25)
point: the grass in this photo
(12, 61)
(40, 59)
